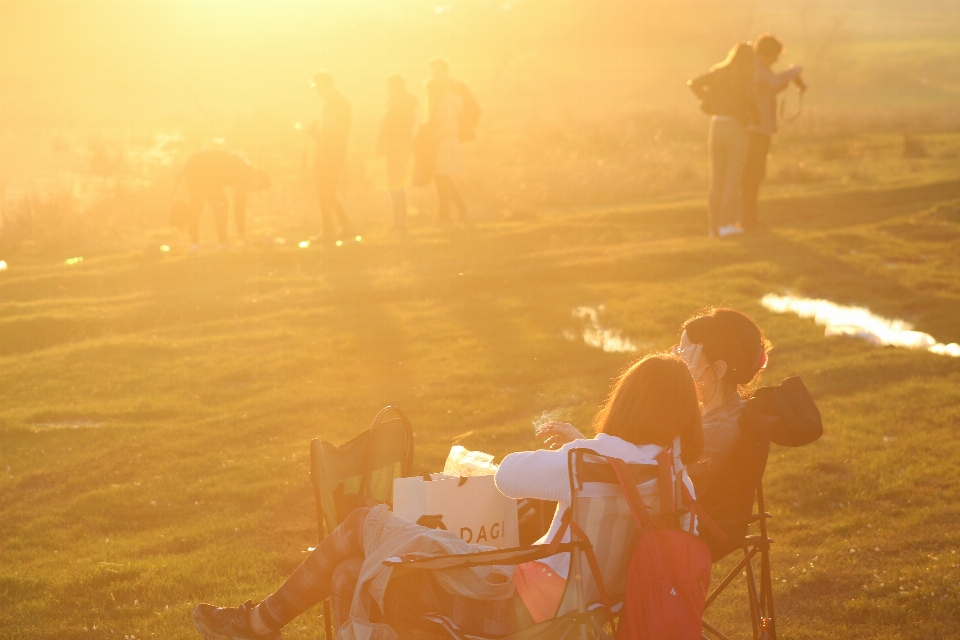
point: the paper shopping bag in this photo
(472, 507)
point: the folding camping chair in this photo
(762, 615)
(787, 415)
(359, 473)
(730, 503)
(601, 531)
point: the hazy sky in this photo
(89, 63)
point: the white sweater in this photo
(543, 474)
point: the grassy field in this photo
(156, 411)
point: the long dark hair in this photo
(652, 402)
(740, 58)
(731, 336)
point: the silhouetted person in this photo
(207, 174)
(452, 115)
(395, 144)
(727, 93)
(331, 155)
(766, 50)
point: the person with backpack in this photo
(651, 408)
(726, 93)
(769, 84)
(452, 117)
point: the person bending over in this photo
(207, 174)
(651, 405)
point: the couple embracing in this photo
(695, 397)
(740, 94)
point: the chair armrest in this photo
(513, 556)
(744, 519)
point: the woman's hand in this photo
(557, 434)
(692, 356)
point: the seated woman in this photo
(651, 405)
(726, 352)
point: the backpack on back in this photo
(668, 574)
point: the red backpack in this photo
(668, 574)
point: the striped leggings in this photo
(327, 572)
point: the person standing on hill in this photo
(726, 92)
(331, 154)
(395, 144)
(766, 50)
(207, 174)
(452, 116)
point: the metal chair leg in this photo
(768, 628)
(601, 633)
(714, 631)
(754, 598)
(762, 618)
(327, 622)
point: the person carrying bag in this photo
(726, 93)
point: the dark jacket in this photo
(786, 415)
(788, 409)
(727, 92)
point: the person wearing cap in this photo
(395, 144)
(767, 50)
(331, 154)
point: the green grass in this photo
(156, 413)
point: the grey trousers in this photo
(727, 144)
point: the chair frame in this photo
(382, 418)
(762, 612)
(587, 617)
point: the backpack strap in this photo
(594, 568)
(637, 507)
(665, 482)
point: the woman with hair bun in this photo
(726, 352)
